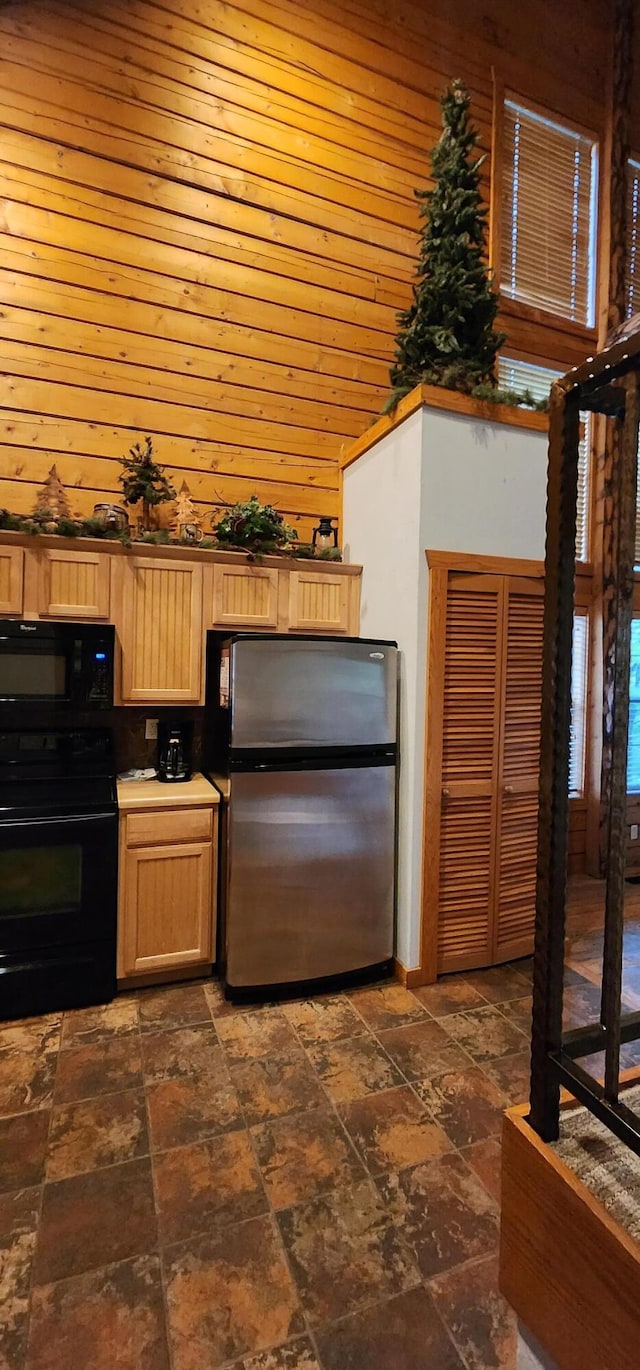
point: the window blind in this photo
(579, 678)
(633, 237)
(516, 375)
(548, 215)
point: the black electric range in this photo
(58, 869)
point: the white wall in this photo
(449, 483)
(381, 530)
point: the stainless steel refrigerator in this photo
(303, 731)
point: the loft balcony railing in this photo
(607, 384)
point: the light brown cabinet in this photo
(245, 597)
(319, 602)
(163, 600)
(167, 884)
(11, 580)
(161, 631)
(73, 584)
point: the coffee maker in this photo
(174, 751)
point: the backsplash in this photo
(134, 749)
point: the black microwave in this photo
(67, 664)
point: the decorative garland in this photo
(42, 522)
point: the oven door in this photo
(58, 882)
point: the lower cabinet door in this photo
(166, 908)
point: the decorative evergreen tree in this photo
(142, 479)
(185, 513)
(52, 501)
(446, 337)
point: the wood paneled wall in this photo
(209, 223)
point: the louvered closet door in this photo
(470, 755)
(517, 818)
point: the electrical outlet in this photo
(151, 729)
(635, 829)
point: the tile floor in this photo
(308, 1186)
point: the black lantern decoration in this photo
(325, 536)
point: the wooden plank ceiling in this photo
(208, 223)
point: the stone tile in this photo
(389, 1006)
(219, 1006)
(485, 1033)
(518, 1012)
(103, 1068)
(204, 1187)
(180, 1051)
(452, 994)
(403, 1333)
(393, 1129)
(229, 1295)
(101, 1319)
(23, 1147)
(106, 1130)
(250, 1036)
(353, 1068)
(95, 1219)
(175, 1006)
(346, 1252)
(296, 1355)
(303, 1155)
(18, 1223)
(466, 1103)
(485, 1159)
(81, 1027)
(27, 1035)
(191, 1108)
(324, 1020)
(480, 1321)
(28, 1057)
(423, 1049)
(275, 1086)
(444, 1212)
(498, 984)
(512, 1076)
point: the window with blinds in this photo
(549, 190)
(633, 237)
(521, 376)
(579, 682)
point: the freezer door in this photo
(301, 692)
(310, 882)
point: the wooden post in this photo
(613, 259)
(553, 819)
(624, 495)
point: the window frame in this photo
(567, 337)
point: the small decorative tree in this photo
(186, 516)
(446, 337)
(52, 502)
(143, 480)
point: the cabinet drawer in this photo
(168, 825)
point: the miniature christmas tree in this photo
(186, 516)
(143, 480)
(52, 499)
(446, 336)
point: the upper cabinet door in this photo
(161, 633)
(73, 584)
(319, 602)
(245, 597)
(11, 580)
